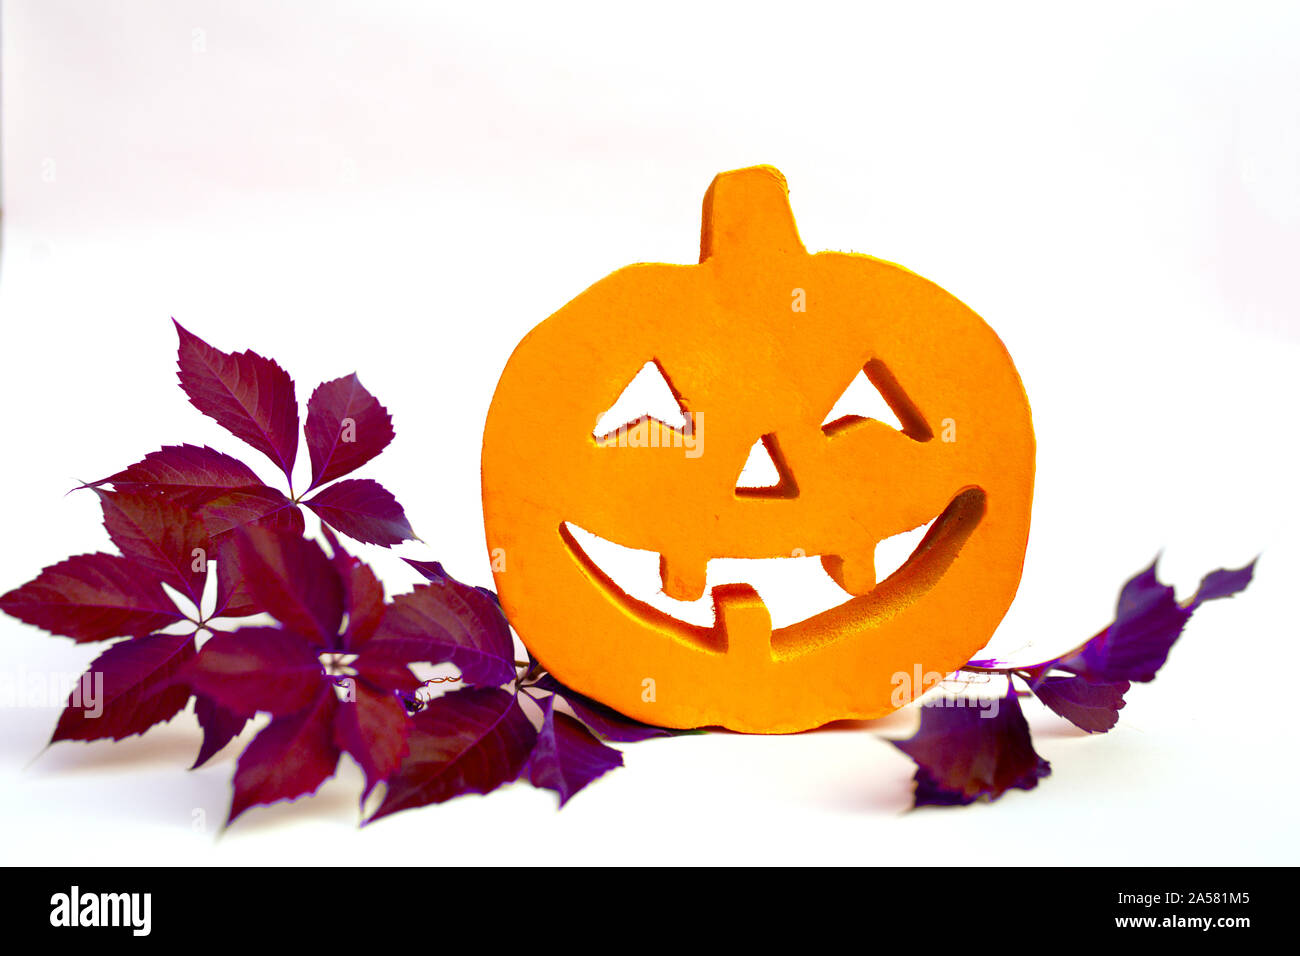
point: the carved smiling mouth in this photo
(796, 592)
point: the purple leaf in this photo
(128, 689)
(292, 579)
(161, 536)
(292, 756)
(346, 427)
(263, 508)
(962, 754)
(259, 507)
(234, 599)
(256, 669)
(220, 727)
(363, 595)
(362, 509)
(468, 741)
(92, 597)
(1090, 706)
(1148, 620)
(373, 727)
(188, 475)
(1223, 583)
(567, 757)
(604, 720)
(430, 570)
(246, 394)
(447, 621)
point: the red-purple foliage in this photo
(332, 672)
(961, 756)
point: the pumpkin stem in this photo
(747, 213)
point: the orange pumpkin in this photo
(757, 342)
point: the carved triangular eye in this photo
(766, 474)
(875, 393)
(648, 395)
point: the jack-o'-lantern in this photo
(757, 342)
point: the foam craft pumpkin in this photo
(747, 365)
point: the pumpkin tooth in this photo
(744, 619)
(683, 580)
(857, 574)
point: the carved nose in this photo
(766, 473)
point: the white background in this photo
(405, 189)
